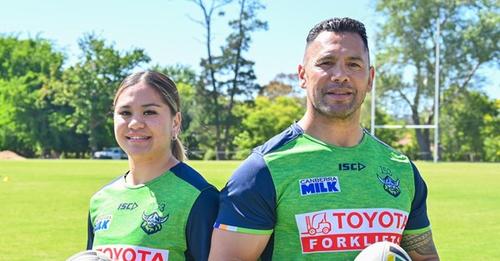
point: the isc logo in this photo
(127, 206)
(351, 166)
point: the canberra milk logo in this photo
(319, 185)
(102, 223)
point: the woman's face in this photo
(143, 123)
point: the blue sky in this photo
(165, 30)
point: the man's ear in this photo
(302, 76)
(371, 78)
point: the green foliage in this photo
(491, 134)
(28, 69)
(264, 119)
(178, 73)
(406, 43)
(88, 88)
(470, 128)
(283, 85)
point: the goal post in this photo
(434, 126)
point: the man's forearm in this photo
(420, 247)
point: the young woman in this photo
(161, 209)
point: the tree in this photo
(469, 40)
(491, 134)
(471, 131)
(88, 87)
(276, 107)
(28, 68)
(283, 85)
(228, 75)
(264, 119)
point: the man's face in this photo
(336, 74)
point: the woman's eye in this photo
(149, 112)
(124, 113)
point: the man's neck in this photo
(338, 132)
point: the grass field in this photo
(43, 205)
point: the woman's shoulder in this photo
(188, 174)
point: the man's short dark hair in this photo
(339, 25)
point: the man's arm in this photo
(227, 245)
(420, 247)
(247, 213)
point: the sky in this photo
(166, 31)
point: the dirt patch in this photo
(10, 155)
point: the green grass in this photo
(43, 205)
(464, 208)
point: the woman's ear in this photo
(176, 125)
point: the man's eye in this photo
(320, 63)
(150, 112)
(354, 65)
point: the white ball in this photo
(88, 255)
(383, 251)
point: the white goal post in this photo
(434, 126)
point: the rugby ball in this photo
(383, 251)
(88, 255)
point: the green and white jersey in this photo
(322, 202)
(168, 218)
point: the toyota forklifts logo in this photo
(317, 224)
(337, 230)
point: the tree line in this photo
(49, 109)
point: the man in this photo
(324, 189)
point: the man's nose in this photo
(338, 73)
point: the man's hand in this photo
(420, 247)
(227, 245)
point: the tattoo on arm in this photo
(421, 243)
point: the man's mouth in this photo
(339, 93)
